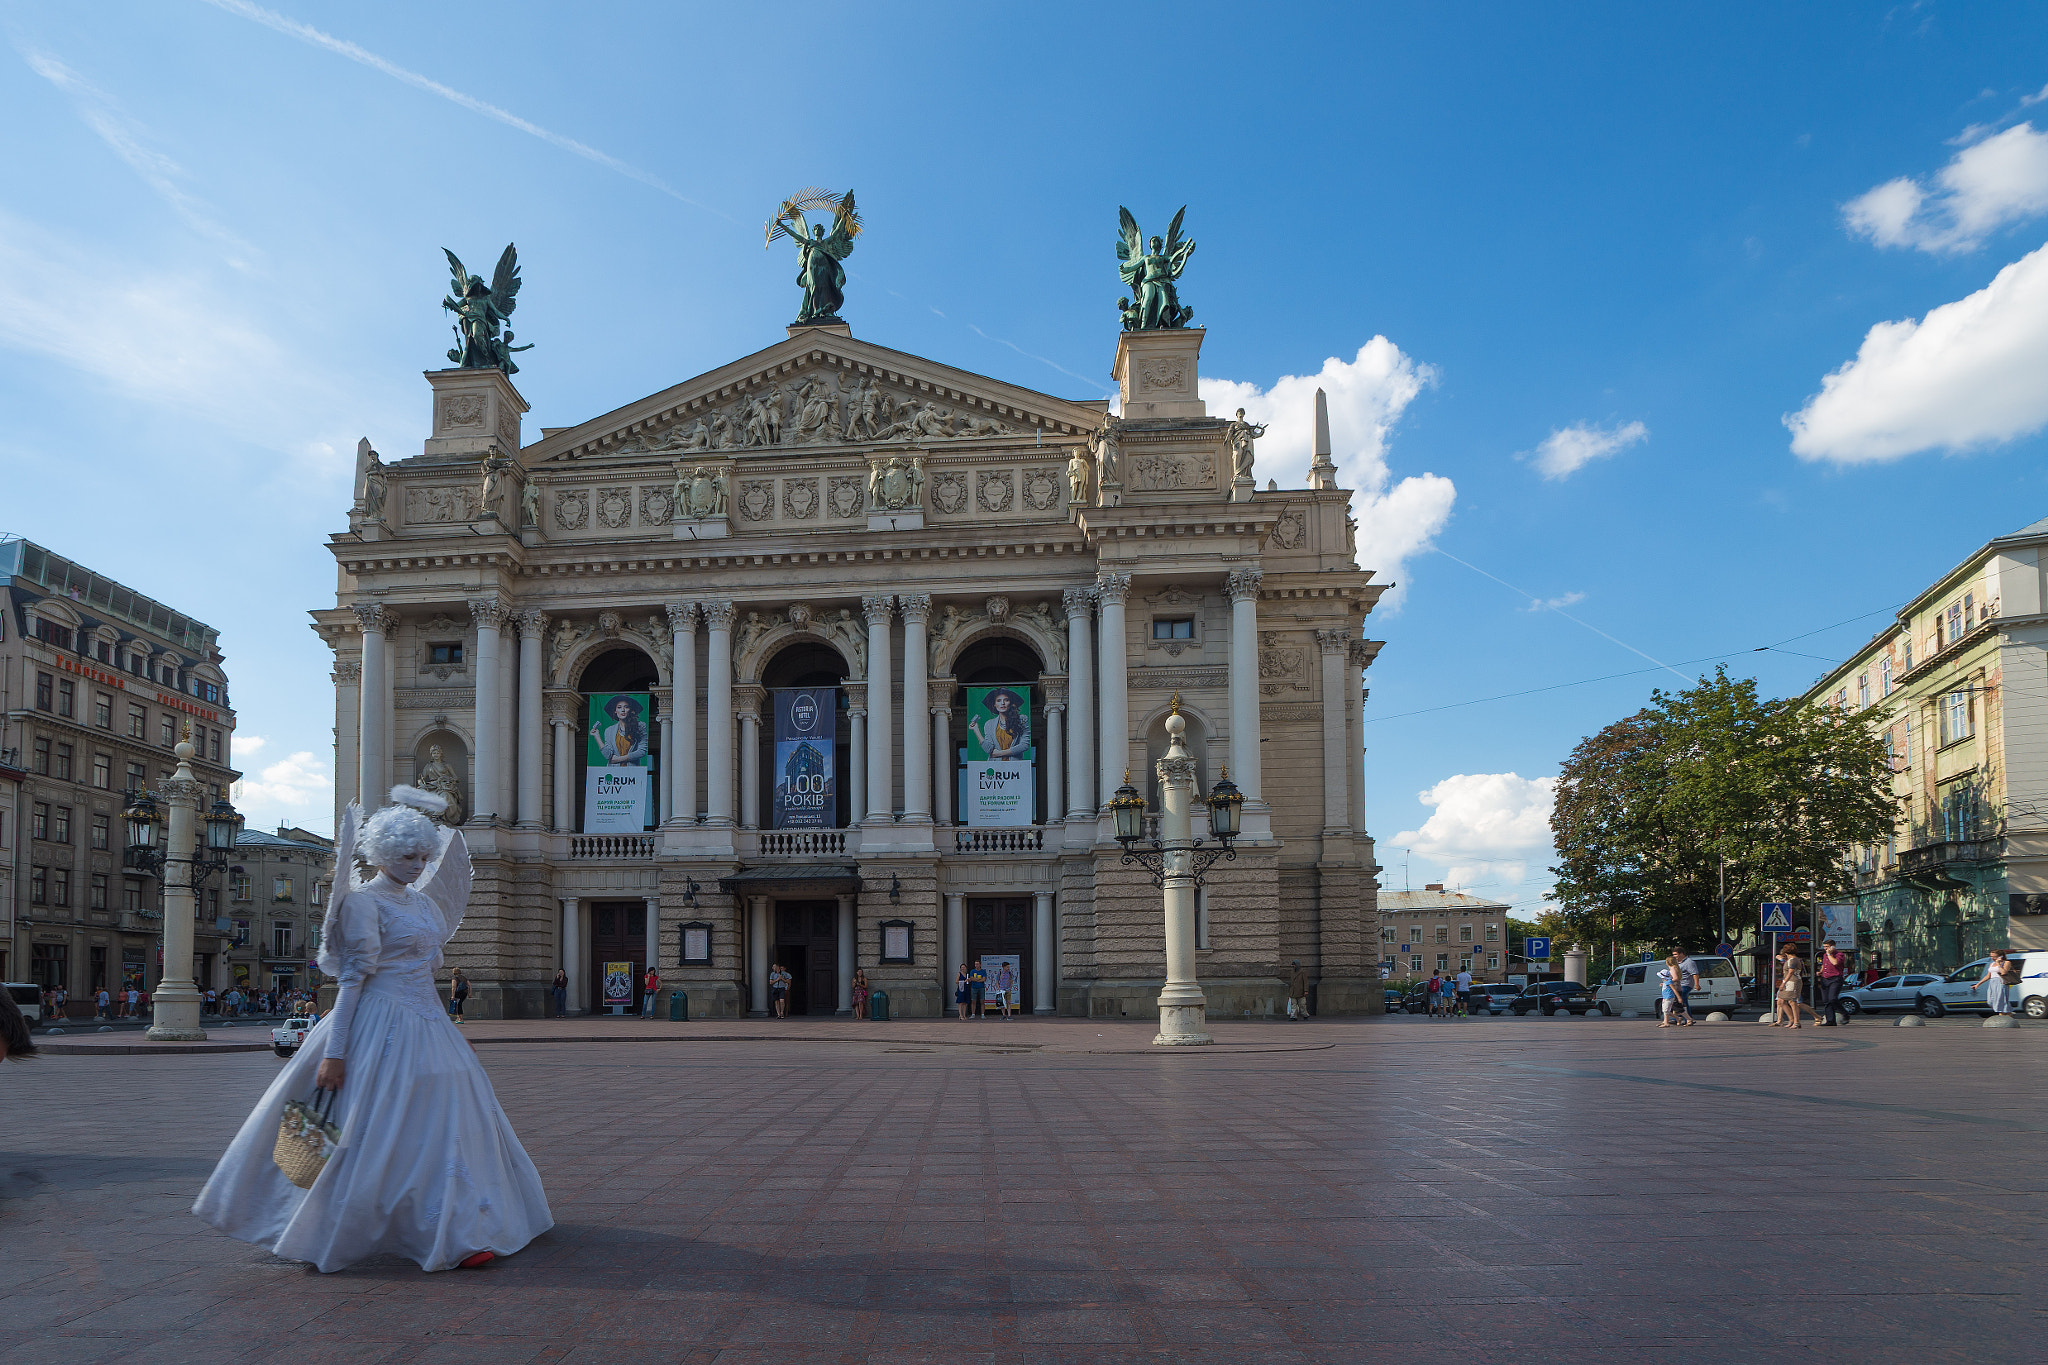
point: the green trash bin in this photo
(678, 1007)
(878, 1005)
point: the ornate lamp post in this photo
(177, 998)
(1177, 861)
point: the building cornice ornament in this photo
(1242, 585)
(1363, 652)
(916, 606)
(532, 623)
(877, 609)
(1077, 602)
(374, 616)
(682, 617)
(718, 614)
(1334, 641)
(347, 672)
(1112, 587)
(488, 611)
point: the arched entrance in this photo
(998, 660)
(620, 670)
(806, 663)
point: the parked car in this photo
(1959, 989)
(1899, 991)
(286, 1037)
(29, 998)
(2030, 997)
(1548, 997)
(1492, 997)
(1637, 987)
(1393, 1000)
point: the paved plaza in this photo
(1046, 1191)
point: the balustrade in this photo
(802, 843)
(639, 846)
(1030, 839)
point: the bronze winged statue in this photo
(480, 310)
(818, 270)
(1150, 273)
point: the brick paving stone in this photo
(907, 1193)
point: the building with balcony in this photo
(1958, 686)
(97, 684)
(713, 679)
(277, 899)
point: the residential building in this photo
(277, 898)
(899, 535)
(1434, 930)
(97, 685)
(1957, 685)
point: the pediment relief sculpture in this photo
(953, 627)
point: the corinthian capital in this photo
(1243, 584)
(1078, 602)
(532, 623)
(488, 611)
(347, 672)
(1334, 641)
(1112, 587)
(682, 618)
(877, 608)
(915, 605)
(372, 616)
(717, 615)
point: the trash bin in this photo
(878, 1005)
(678, 1007)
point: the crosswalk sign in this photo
(1777, 917)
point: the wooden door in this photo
(807, 942)
(618, 933)
(1002, 925)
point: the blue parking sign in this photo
(1777, 917)
(1536, 949)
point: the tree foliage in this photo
(1647, 809)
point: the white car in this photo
(2030, 997)
(285, 1039)
(28, 998)
(1636, 987)
(1899, 991)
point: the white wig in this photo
(402, 827)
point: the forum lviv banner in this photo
(806, 794)
(1000, 757)
(618, 782)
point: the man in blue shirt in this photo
(977, 991)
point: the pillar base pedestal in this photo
(1183, 1026)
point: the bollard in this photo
(678, 1007)
(878, 1006)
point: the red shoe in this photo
(472, 1262)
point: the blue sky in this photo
(1566, 274)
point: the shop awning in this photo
(794, 880)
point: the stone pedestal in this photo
(909, 519)
(1156, 375)
(1242, 487)
(476, 413)
(701, 528)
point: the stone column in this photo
(373, 742)
(653, 927)
(508, 724)
(1080, 704)
(747, 700)
(1242, 585)
(562, 719)
(1055, 755)
(572, 952)
(718, 714)
(1183, 1009)
(348, 733)
(757, 955)
(881, 740)
(1045, 955)
(1336, 721)
(942, 750)
(857, 749)
(1115, 717)
(682, 757)
(1361, 656)
(846, 954)
(178, 997)
(489, 614)
(917, 758)
(664, 788)
(532, 629)
(956, 945)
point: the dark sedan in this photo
(1548, 997)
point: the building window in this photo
(98, 891)
(60, 886)
(281, 889)
(1841, 699)
(446, 652)
(1386, 935)
(168, 729)
(103, 710)
(213, 746)
(138, 778)
(46, 687)
(213, 903)
(245, 887)
(280, 938)
(50, 633)
(100, 829)
(63, 767)
(60, 825)
(1464, 962)
(138, 721)
(40, 757)
(103, 771)
(38, 886)
(131, 897)
(318, 894)
(1862, 689)
(1954, 712)
(67, 698)
(1884, 676)
(1415, 965)
(1443, 962)
(1443, 933)
(1906, 655)
(1909, 741)
(1493, 933)
(39, 821)
(1464, 933)
(209, 692)
(1959, 815)
(1177, 628)
(1493, 962)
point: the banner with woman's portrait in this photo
(618, 781)
(1001, 754)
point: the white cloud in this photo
(1569, 449)
(1968, 374)
(1987, 185)
(1485, 825)
(1570, 599)
(292, 791)
(1367, 395)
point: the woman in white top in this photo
(428, 1166)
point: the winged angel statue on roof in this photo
(480, 310)
(1153, 303)
(818, 270)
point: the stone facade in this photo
(1434, 930)
(827, 512)
(277, 898)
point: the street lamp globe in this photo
(1226, 804)
(1128, 810)
(143, 818)
(223, 823)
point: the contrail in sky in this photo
(305, 33)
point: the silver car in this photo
(1899, 991)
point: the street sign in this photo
(1536, 949)
(1777, 917)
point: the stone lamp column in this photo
(1183, 1009)
(177, 996)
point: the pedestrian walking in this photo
(1435, 989)
(561, 990)
(778, 990)
(1834, 974)
(960, 991)
(430, 1168)
(103, 1005)
(2001, 974)
(458, 994)
(1791, 978)
(1463, 983)
(1680, 975)
(1006, 987)
(1297, 992)
(977, 990)
(860, 993)
(651, 987)
(134, 1000)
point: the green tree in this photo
(1648, 808)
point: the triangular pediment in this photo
(818, 389)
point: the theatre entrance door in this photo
(807, 945)
(618, 933)
(1001, 927)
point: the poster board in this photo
(806, 794)
(991, 965)
(618, 780)
(1001, 756)
(618, 985)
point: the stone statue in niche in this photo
(438, 777)
(494, 486)
(373, 483)
(529, 504)
(699, 493)
(1077, 475)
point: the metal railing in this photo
(640, 846)
(1029, 839)
(1930, 856)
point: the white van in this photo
(28, 998)
(1636, 987)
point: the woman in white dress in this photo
(428, 1166)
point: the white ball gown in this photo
(428, 1166)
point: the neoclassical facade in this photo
(831, 514)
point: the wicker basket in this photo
(306, 1137)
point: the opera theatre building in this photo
(832, 657)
